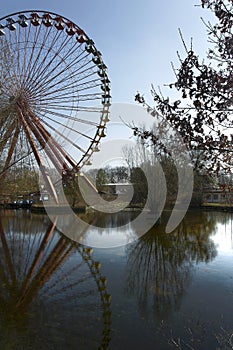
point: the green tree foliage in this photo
(19, 181)
(101, 180)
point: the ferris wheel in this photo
(54, 94)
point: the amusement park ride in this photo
(54, 95)
(54, 106)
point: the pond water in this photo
(163, 291)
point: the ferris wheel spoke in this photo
(47, 145)
(67, 89)
(7, 64)
(32, 242)
(86, 85)
(67, 117)
(85, 74)
(7, 74)
(11, 149)
(66, 273)
(7, 136)
(28, 61)
(66, 138)
(51, 292)
(90, 97)
(49, 68)
(45, 82)
(45, 272)
(83, 294)
(42, 68)
(16, 161)
(5, 123)
(17, 49)
(18, 45)
(25, 60)
(22, 44)
(70, 128)
(33, 69)
(64, 108)
(12, 59)
(68, 106)
(43, 245)
(7, 255)
(47, 73)
(38, 158)
(57, 150)
(60, 251)
(79, 87)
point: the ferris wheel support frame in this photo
(38, 158)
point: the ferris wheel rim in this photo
(36, 10)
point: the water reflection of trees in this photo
(109, 220)
(223, 217)
(159, 265)
(52, 293)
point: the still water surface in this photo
(164, 291)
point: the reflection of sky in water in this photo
(118, 227)
(175, 286)
(109, 236)
(163, 285)
(224, 238)
(114, 230)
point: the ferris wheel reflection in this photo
(52, 291)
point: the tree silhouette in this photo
(203, 114)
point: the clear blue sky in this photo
(138, 39)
